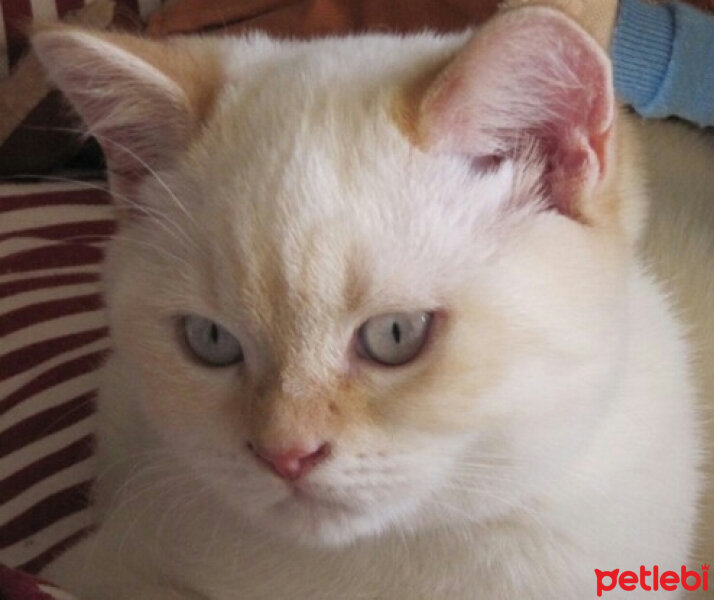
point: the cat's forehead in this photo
(332, 205)
(319, 200)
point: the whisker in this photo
(132, 154)
(157, 216)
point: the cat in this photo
(382, 326)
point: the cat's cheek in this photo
(187, 404)
(441, 395)
(192, 411)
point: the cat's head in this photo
(363, 282)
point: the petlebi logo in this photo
(652, 580)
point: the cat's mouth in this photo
(318, 519)
(322, 514)
(301, 496)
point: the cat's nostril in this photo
(293, 463)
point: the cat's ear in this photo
(531, 77)
(142, 99)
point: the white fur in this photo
(566, 439)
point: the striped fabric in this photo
(53, 335)
(16, 13)
(15, 585)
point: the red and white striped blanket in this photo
(15, 585)
(53, 335)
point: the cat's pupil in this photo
(396, 332)
(214, 333)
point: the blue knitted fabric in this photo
(663, 58)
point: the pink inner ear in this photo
(529, 77)
(138, 114)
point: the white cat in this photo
(381, 330)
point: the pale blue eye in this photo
(395, 339)
(210, 342)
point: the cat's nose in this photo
(293, 463)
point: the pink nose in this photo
(294, 463)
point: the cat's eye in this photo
(211, 343)
(394, 339)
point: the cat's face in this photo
(428, 331)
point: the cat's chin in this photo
(315, 522)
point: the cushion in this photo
(15, 585)
(54, 336)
